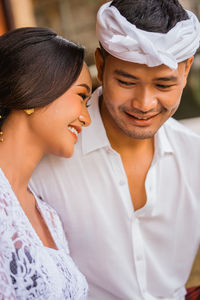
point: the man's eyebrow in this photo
(128, 75)
(168, 78)
(124, 74)
(86, 86)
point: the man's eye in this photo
(164, 86)
(126, 82)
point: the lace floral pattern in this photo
(28, 269)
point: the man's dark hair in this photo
(36, 67)
(152, 15)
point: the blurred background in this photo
(75, 20)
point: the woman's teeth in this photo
(73, 130)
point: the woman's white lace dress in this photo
(28, 269)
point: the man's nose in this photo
(144, 99)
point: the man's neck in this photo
(136, 156)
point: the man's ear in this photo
(188, 67)
(99, 60)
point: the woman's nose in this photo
(85, 117)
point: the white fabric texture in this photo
(126, 254)
(125, 41)
(29, 270)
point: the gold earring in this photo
(29, 111)
(1, 139)
(1, 132)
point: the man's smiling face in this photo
(138, 99)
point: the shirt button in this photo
(135, 219)
(108, 150)
(122, 182)
(139, 257)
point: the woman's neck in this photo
(19, 152)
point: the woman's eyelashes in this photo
(84, 97)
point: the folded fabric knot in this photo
(125, 41)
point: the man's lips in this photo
(142, 117)
(141, 120)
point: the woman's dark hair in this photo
(36, 67)
(152, 15)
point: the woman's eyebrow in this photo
(86, 86)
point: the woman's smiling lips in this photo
(74, 130)
(142, 120)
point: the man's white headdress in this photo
(125, 41)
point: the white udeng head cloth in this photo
(125, 41)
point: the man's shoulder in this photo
(183, 140)
(178, 129)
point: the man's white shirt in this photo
(126, 254)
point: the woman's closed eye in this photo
(84, 97)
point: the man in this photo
(129, 198)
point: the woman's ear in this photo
(99, 60)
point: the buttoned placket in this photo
(137, 242)
(121, 179)
(136, 216)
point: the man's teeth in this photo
(140, 118)
(73, 130)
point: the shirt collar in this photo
(94, 136)
(162, 142)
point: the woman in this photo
(44, 89)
